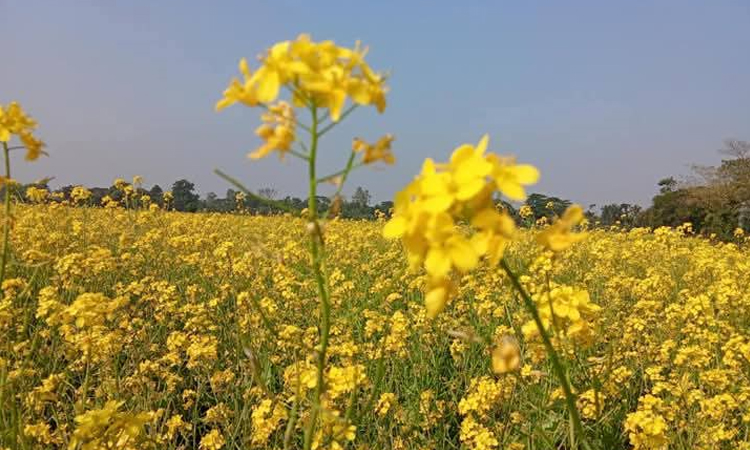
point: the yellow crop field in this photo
(171, 330)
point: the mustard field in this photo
(153, 329)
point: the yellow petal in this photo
(437, 204)
(261, 152)
(480, 242)
(359, 92)
(280, 49)
(470, 189)
(435, 301)
(483, 143)
(395, 228)
(512, 190)
(428, 167)
(244, 68)
(496, 249)
(440, 224)
(526, 174)
(297, 68)
(487, 218)
(336, 104)
(221, 104)
(437, 263)
(434, 185)
(268, 86)
(507, 225)
(462, 254)
(529, 330)
(462, 153)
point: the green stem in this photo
(6, 216)
(316, 251)
(293, 414)
(557, 366)
(349, 167)
(328, 127)
(341, 173)
(344, 175)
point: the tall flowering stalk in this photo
(447, 221)
(14, 122)
(321, 78)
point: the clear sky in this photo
(605, 97)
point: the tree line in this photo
(714, 199)
(183, 197)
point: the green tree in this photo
(667, 185)
(157, 194)
(361, 197)
(185, 198)
(624, 213)
(547, 206)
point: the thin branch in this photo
(341, 182)
(328, 127)
(325, 116)
(339, 173)
(299, 154)
(303, 126)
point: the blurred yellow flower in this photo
(277, 130)
(559, 236)
(14, 121)
(380, 151)
(506, 355)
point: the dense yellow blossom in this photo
(36, 194)
(567, 311)
(212, 441)
(108, 428)
(266, 418)
(152, 313)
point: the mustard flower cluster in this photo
(14, 121)
(315, 74)
(567, 312)
(428, 211)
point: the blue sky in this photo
(606, 98)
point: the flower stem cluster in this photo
(320, 77)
